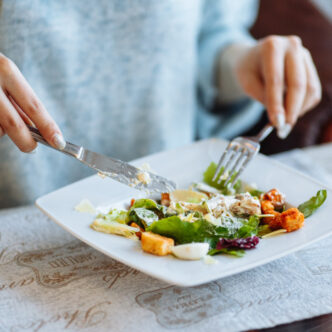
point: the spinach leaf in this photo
(208, 176)
(228, 251)
(310, 206)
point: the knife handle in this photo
(70, 149)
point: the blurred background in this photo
(312, 21)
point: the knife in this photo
(116, 169)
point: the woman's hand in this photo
(20, 106)
(280, 73)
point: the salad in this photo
(207, 219)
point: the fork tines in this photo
(233, 161)
(237, 156)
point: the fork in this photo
(239, 152)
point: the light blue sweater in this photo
(122, 77)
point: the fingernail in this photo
(59, 141)
(34, 150)
(284, 131)
(280, 120)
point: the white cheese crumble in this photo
(102, 175)
(145, 167)
(85, 206)
(144, 177)
(209, 260)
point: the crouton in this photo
(156, 244)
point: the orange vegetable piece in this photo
(275, 197)
(165, 200)
(273, 222)
(267, 207)
(138, 234)
(291, 219)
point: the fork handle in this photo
(266, 131)
(70, 149)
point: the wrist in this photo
(228, 83)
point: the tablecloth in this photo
(50, 281)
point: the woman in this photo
(127, 78)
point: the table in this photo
(50, 281)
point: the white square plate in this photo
(185, 165)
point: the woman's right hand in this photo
(19, 106)
(279, 72)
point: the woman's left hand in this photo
(280, 73)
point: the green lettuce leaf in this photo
(115, 215)
(263, 230)
(113, 227)
(187, 232)
(256, 193)
(149, 204)
(146, 203)
(142, 217)
(249, 228)
(201, 230)
(310, 206)
(228, 251)
(208, 176)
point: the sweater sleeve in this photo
(223, 22)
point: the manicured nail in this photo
(280, 120)
(34, 150)
(59, 142)
(284, 131)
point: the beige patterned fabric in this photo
(49, 281)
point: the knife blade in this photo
(116, 169)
